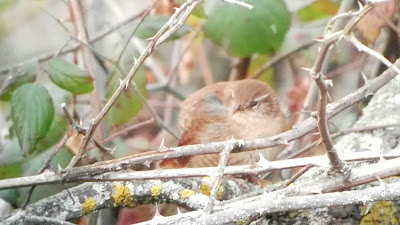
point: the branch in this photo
(91, 197)
(259, 168)
(297, 131)
(173, 24)
(97, 37)
(269, 203)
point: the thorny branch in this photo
(324, 85)
(175, 22)
(259, 168)
(288, 202)
(297, 131)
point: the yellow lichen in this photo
(381, 212)
(155, 191)
(122, 196)
(186, 194)
(220, 192)
(205, 190)
(88, 205)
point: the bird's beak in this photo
(238, 109)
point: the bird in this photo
(243, 109)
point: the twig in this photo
(277, 58)
(127, 129)
(216, 181)
(87, 56)
(76, 46)
(391, 168)
(371, 52)
(173, 70)
(298, 131)
(135, 29)
(67, 114)
(340, 133)
(270, 204)
(240, 68)
(311, 97)
(46, 165)
(187, 7)
(141, 98)
(206, 73)
(324, 85)
(295, 176)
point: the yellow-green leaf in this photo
(70, 77)
(128, 104)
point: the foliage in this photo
(70, 77)
(128, 104)
(32, 112)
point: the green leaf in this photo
(26, 73)
(243, 32)
(70, 77)
(318, 10)
(10, 170)
(57, 130)
(152, 24)
(32, 113)
(128, 103)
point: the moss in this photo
(122, 196)
(155, 191)
(380, 212)
(186, 194)
(88, 205)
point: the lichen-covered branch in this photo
(90, 197)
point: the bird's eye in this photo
(254, 103)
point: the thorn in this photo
(365, 78)
(134, 60)
(306, 69)
(112, 150)
(329, 97)
(282, 141)
(162, 146)
(381, 183)
(313, 114)
(360, 6)
(80, 122)
(319, 40)
(178, 211)
(147, 163)
(127, 86)
(262, 161)
(328, 83)
(316, 133)
(63, 105)
(150, 39)
(120, 82)
(157, 214)
(369, 205)
(59, 168)
(381, 159)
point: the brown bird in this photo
(242, 109)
